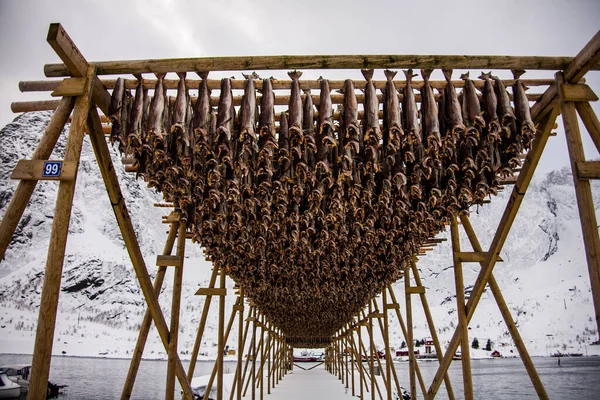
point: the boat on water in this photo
(20, 374)
(9, 389)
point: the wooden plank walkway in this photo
(313, 384)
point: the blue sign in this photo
(52, 169)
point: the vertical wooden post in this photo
(175, 308)
(360, 363)
(262, 357)
(510, 323)
(201, 325)
(371, 350)
(136, 357)
(350, 345)
(409, 332)
(240, 348)
(583, 192)
(221, 341)
(25, 188)
(44, 337)
(254, 354)
(269, 355)
(386, 338)
(461, 311)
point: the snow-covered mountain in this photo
(544, 274)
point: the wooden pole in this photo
(240, 348)
(254, 346)
(42, 352)
(221, 341)
(360, 363)
(353, 61)
(175, 308)
(516, 198)
(136, 357)
(25, 188)
(353, 358)
(386, 337)
(409, 333)
(117, 202)
(396, 307)
(461, 311)
(510, 323)
(201, 325)
(583, 192)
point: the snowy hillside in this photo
(544, 275)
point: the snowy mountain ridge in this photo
(544, 274)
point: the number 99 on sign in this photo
(52, 168)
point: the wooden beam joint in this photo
(588, 169)
(169, 261)
(212, 292)
(473, 256)
(577, 92)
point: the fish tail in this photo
(160, 75)
(484, 76)
(295, 74)
(447, 73)
(426, 73)
(306, 91)
(138, 76)
(517, 73)
(181, 75)
(408, 73)
(465, 76)
(390, 74)
(202, 74)
(367, 73)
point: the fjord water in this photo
(501, 379)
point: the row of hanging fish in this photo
(312, 216)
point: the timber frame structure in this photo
(84, 92)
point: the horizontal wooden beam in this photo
(578, 92)
(588, 170)
(41, 105)
(33, 170)
(376, 315)
(354, 61)
(211, 292)
(415, 290)
(473, 256)
(395, 306)
(277, 84)
(169, 261)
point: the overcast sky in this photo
(114, 30)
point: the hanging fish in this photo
(114, 111)
(295, 105)
(429, 111)
(453, 108)
(393, 134)
(490, 105)
(157, 108)
(202, 108)
(325, 138)
(525, 125)
(505, 111)
(308, 126)
(134, 140)
(471, 110)
(179, 129)
(225, 119)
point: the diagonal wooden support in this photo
(384, 328)
(42, 352)
(25, 189)
(136, 357)
(462, 312)
(504, 226)
(133, 248)
(583, 192)
(201, 325)
(508, 319)
(175, 308)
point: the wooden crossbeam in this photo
(577, 92)
(474, 256)
(69, 87)
(36, 170)
(169, 261)
(588, 169)
(355, 61)
(211, 292)
(415, 289)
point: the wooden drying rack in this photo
(82, 92)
